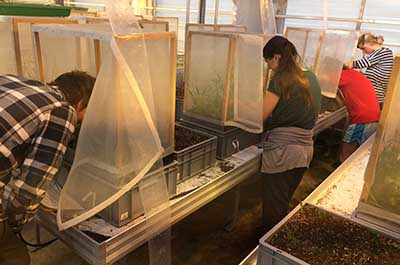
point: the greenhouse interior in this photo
(218, 132)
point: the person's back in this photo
(36, 123)
(378, 63)
(359, 96)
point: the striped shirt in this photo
(36, 124)
(378, 66)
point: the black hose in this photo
(36, 245)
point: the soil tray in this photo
(195, 151)
(315, 236)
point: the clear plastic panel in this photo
(207, 69)
(116, 147)
(246, 92)
(334, 48)
(7, 50)
(385, 190)
(64, 53)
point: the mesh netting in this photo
(224, 79)
(335, 46)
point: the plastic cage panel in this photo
(381, 194)
(217, 87)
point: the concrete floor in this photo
(200, 238)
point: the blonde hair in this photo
(370, 38)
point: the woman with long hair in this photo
(378, 63)
(291, 107)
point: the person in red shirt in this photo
(363, 107)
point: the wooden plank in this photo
(39, 56)
(186, 95)
(147, 35)
(383, 123)
(17, 47)
(227, 87)
(316, 60)
(173, 56)
(97, 55)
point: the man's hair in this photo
(75, 86)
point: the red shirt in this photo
(359, 97)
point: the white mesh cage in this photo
(118, 141)
(307, 44)
(61, 53)
(246, 96)
(116, 147)
(333, 50)
(267, 17)
(224, 79)
(206, 76)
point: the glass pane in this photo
(388, 11)
(342, 9)
(225, 12)
(207, 68)
(391, 33)
(385, 190)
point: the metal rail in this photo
(136, 234)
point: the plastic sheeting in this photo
(224, 79)
(257, 15)
(334, 48)
(118, 141)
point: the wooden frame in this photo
(141, 21)
(31, 20)
(232, 38)
(215, 27)
(367, 211)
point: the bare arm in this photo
(270, 102)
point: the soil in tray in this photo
(318, 237)
(185, 138)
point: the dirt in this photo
(318, 237)
(225, 166)
(185, 138)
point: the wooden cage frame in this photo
(108, 36)
(32, 20)
(365, 211)
(96, 20)
(231, 36)
(321, 37)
